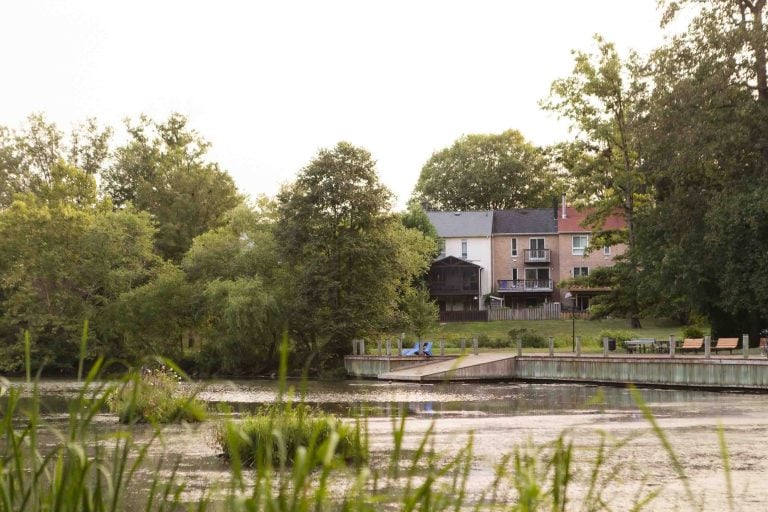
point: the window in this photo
(514, 247)
(537, 249)
(514, 274)
(580, 243)
(441, 248)
(464, 249)
(580, 271)
(606, 250)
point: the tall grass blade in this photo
(28, 356)
(83, 347)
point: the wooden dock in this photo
(689, 371)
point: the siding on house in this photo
(474, 228)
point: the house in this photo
(575, 260)
(460, 276)
(517, 255)
(525, 256)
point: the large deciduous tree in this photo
(163, 169)
(64, 258)
(705, 240)
(348, 256)
(486, 172)
(31, 156)
(605, 100)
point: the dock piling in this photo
(745, 345)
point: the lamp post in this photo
(569, 295)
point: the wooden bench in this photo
(694, 344)
(726, 344)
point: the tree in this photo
(421, 312)
(707, 157)
(346, 254)
(30, 157)
(486, 172)
(242, 307)
(162, 169)
(61, 263)
(605, 100)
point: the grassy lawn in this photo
(591, 331)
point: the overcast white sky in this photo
(269, 83)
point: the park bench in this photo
(694, 344)
(726, 344)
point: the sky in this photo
(269, 83)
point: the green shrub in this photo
(275, 434)
(156, 396)
(692, 331)
(530, 339)
(619, 336)
(485, 341)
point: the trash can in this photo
(611, 344)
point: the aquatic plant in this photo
(274, 434)
(156, 396)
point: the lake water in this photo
(503, 416)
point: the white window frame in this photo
(579, 251)
(606, 250)
(580, 269)
(464, 250)
(513, 247)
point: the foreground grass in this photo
(301, 460)
(83, 472)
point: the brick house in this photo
(525, 256)
(574, 239)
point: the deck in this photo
(722, 372)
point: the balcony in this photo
(525, 285)
(536, 255)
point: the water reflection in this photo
(503, 415)
(381, 399)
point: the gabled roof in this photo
(462, 224)
(524, 220)
(454, 262)
(572, 223)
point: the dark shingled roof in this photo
(462, 224)
(524, 220)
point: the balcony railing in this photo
(536, 255)
(525, 285)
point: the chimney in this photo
(564, 205)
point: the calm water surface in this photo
(503, 416)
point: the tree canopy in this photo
(349, 258)
(486, 172)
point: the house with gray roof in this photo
(460, 276)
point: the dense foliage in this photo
(487, 172)
(167, 258)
